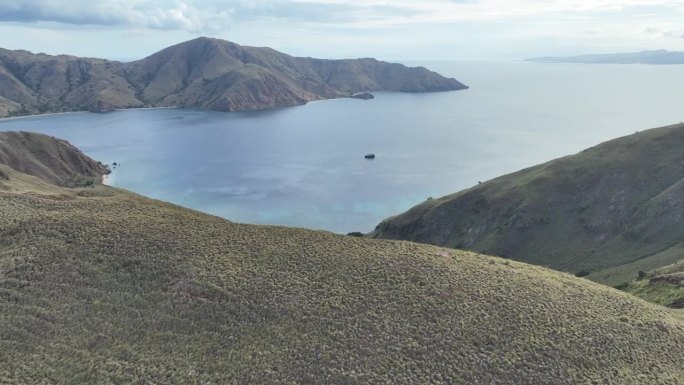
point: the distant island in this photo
(202, 73)
(643, 57)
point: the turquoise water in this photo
(304, 166)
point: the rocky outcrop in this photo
(363, 95)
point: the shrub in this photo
(582, 273)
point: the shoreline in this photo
(308, 102)
(326, 100)
(9, 118)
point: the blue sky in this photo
(394, 30)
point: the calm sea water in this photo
(304, 166)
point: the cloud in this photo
(314, 11)
(672, 34)
(196, 15)
(658, 33)
(140, 13)
(217, 15)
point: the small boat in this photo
(369, 156)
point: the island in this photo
(643, 57)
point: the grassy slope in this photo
(612, 210)
(663, 286)
(54, 160)
(98, 285)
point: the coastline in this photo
(9, 118)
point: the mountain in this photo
(38, 83)
(607, 212)
(99, 285)
(643, 57)
(202, 73)
(54, 160)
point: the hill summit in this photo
(202, 73)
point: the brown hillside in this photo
(50, 159)
(202, 73)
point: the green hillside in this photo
(606, 212)
(102, 286)
(664, 286)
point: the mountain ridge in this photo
(202, 73)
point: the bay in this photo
(304, 166)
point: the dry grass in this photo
(100, 286)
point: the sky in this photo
(390, 30)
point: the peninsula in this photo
(203, 73)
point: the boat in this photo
(369, 156)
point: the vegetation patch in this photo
(664, 286)
(111, 287)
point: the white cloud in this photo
(477, 10)
(390, 28)
(163, 14)
(202, 15)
